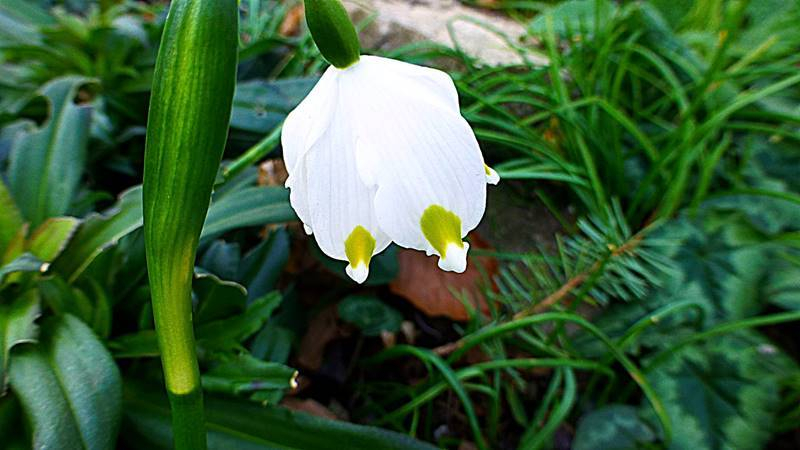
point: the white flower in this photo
(378, 152)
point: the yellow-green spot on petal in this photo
(441, 228)
(492, 177)
(359, 246)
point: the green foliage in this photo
(243, 374)
(370, 315)
(17, 326)
(247, 207)
(10, 220)
(260, 105)
(46, 164)
(668, 112)
(722, 394)
(69, 387)
(22, 263)
(605, 261)
(234, 424)
(613, 427)
(662, 138)
(98, 232)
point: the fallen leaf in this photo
(272, 172)
(322, 329)
(431, 290)
(291, 23)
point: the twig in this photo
(563, 291)
(578, 280)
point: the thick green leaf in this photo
(64, 298)
(723, 393)
(222, 259)
(782, 286)
(20, 21)
(244, 374)
(260, 105)
(69, 387)
(248, 207)
(142, 344)
(50, 238)
(244, 425)
(272, 343)
(10, 219)
(612, 427)
(10, 423)
(17, 327)
(46, 164)
(768, 215)
(217, 299)
(97, 232)
(23, 263)
(228, 333)
(16, 246)
(370, 314)
(261, 267)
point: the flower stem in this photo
(187, 127)
(254, 153)
(172, 312)
(187, 412)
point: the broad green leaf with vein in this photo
(46, 164)
(10, 220)
(244, 425)
(17, 327)
(722, 394)
(69, 387)
(99, 231)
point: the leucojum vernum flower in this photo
(378, 152)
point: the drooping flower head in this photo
(377, 153)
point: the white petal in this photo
(434, 84)
(338, 201)
(456, 258)
(359, 274)
(416, 151)
(301, 129)
(492, 177)
(306, 123)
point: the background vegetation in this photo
(637, 288)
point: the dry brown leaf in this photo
(322, 329)
(291, 23)
(272, 172)
(430, 289)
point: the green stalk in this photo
(187, 127)
(254, 154)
